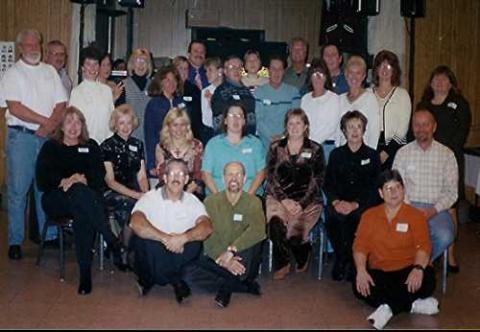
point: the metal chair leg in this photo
(42, 242)
(444, 271)
(61, 253)
(101, 253)
(321, 251)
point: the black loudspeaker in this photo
(223, 35)
(412, 8)
(366, 7)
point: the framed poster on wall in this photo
(7, 56)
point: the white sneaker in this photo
(427, 306)
(380, 317)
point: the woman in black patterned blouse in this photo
(124, 161)
(296, 168)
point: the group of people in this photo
(231, 159)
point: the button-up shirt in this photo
(430, 176)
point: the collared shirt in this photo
(391, 246)
(170, 216)
(271, 105)
(37, 87)
(192, 72)
(297, 80)
(339, 84)
(241, 225)
(66, 80)
(430, 176)
(125, 156)
(219, 151)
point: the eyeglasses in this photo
(386, 66)
(140, 60)
(235, 116)
(318, 74)
(179, 174)
(392, 187)
(232, 67)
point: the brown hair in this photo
(392, 60)
(297, 112)
(350, 115)
(245, 117)
(319, 65)
(71, 111)
(155, 88)
(440, 70)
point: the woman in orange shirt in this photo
(392, 252)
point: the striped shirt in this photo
(430, 176)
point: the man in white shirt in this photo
(429, 171)
(36, 100)
(169, 225)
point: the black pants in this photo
(341, 232)
(154, 264)
(215, 277)
(282, 247)
(86, 207)
(390, 288)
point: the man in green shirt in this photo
(233, 250)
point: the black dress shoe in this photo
(253, 288)
(338, 271)
(143, 287)
(85, 286)
(15, 252)
(181, 290)
(453, 268)
(223, 298)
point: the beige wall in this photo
(160, 26)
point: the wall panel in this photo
(449, 34)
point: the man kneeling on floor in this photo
(233, 251)
(169, 225)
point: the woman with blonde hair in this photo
(140, 70)
(177, 142)
(124, 161)
(360, 99)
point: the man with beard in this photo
(35, 98)
(169, 225)
(233, 250)
(197, 74)
(429, 170)
(57, 56)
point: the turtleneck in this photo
(140, 81)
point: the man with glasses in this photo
(169, 225)
(232, 91)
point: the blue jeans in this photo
(22, 150)
(441, 228)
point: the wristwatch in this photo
(418, 267)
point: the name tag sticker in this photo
(306, 155)
(247, 150)
(402, 228)
(365, 162)
(267, 102)
(133, 148)
(237, 217)
(83, 150)
(187, 98)
(236, 97)
(181, 105)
